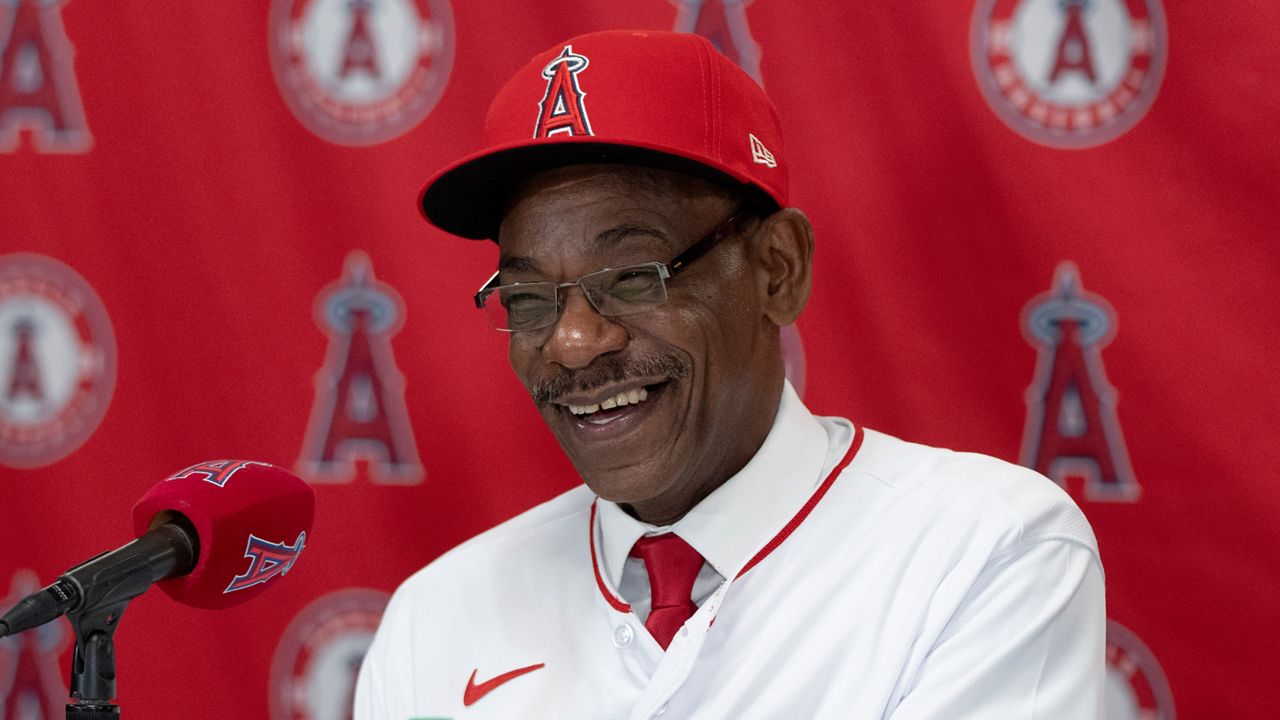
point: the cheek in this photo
(717, 320)
(711, 337)
(522, 354)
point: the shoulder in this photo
(968, 492)
(478, 593)
(552, 532)
(473, 603)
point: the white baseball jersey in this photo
(848, 575)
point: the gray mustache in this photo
(606, 371)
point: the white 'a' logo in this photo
(359, 412)
(38, 90)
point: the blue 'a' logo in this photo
(268, 560)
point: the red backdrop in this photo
(183, 184)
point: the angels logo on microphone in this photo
(561, 109)
(267, 560)
(217, 472)
(361, 72)
(359, 412)
(38, 89)
(1136, 685)
(57, 360)
(1072, 429)
(1069, 73)
(31, 685)
(313, 673)
(724, 23)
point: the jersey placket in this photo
(676, 664)
(659, 674)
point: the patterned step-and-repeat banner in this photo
(1046, 231)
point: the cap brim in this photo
(467, 198)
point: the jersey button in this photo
(660, 711)
(623, 635)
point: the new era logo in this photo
(760, 154)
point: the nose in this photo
(582, 334)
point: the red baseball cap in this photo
(652, 98)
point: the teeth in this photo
(626, 397)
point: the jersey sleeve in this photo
(1027, 642)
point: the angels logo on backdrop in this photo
(313, 673)
(38, 89)
(724, 23)
(361, 72)
(1072, 429)
(57, 360)
(1135, 687)
(1069, 73)
(31, 686)
(359, 411)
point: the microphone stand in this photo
(93, 667)
(107, 583)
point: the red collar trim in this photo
(618, 604)
(808, 507)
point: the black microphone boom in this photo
(112, 578)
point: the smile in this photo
(626, 397)
(611, 405)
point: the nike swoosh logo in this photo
(474, 692)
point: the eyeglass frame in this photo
(666, 270)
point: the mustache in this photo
(608, 370)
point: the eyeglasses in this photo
(520, 307)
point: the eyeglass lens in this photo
(614, 292)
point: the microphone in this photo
(213, 535)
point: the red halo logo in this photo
(1069, 73)
(1135, 688)
(313, 674)
(361, 72)
(57, 360)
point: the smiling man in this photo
(634, 383)
(729, 555)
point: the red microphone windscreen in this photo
(252, 520)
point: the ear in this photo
(783, 251)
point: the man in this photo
(730, 555)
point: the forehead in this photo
(602, 211)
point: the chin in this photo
(625, 486)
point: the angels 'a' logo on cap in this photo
(561, 109)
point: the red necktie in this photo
(673, 565)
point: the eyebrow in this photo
(606, 239)
(517, 263)
(615, 235)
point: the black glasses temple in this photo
(703, 246)
(489, 284)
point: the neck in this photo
(755, 427)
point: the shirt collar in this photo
(732, 523)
